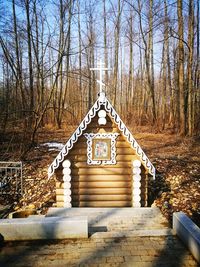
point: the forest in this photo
(150, 46)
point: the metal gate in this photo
(11, 180)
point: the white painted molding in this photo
(67, 192)
(136, 184)
(67, 177)
(66, 171)
(102, 121)
(137, 177)
(136, 163)
(102, 113)
(136, 191)
(66, 163)
(67, 199)
(102, 117)
(67, 183)
(67, 205)
(136, 170)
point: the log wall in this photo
(100, 185)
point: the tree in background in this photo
(47, 50)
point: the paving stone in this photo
(132, 258)
(102, 250)
(115, 259)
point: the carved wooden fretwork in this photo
(90, 137)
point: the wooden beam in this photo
(114, 184)
(102, 204)
(86, 165)
(95, 178)
(100, 191)
(100, 198)
(120, 151)
(102, 171)
(83, 158)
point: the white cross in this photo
(100, 68)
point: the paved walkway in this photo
(113, 241)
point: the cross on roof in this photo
(100, 67)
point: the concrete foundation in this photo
(44, 228)
(188, 232)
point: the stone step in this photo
(98, 215)
(136, 233)
(133, 212)
(114, 221)
(38, 228)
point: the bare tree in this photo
(182, 126)
(190, 67)
(116, 53)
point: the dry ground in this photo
(177, 184)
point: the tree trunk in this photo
(189, 67)
(30, 61)
(182, 126)
(116, 55)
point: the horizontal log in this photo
(102, 204)
(102, 171)
(86, 165)
(119, 151)
(100, 191)
(104, 184)
(60, 204)
(94, 178)
(120, 144)
(121, 158)
(97, 171)
(101, 198)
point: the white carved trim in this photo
(136, 191)
(67, 183)
(112, 137)
(101, 101)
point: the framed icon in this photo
(101, 149)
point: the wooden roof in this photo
(101, 101)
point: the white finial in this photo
(100, 68)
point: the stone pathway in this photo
(118, 221)
(116, 239)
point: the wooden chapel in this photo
(101, 165)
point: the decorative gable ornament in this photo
(101, 103)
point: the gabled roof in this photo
(102, 100)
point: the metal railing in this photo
(11, 179)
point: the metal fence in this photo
(11, 180)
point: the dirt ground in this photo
(177, 162)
